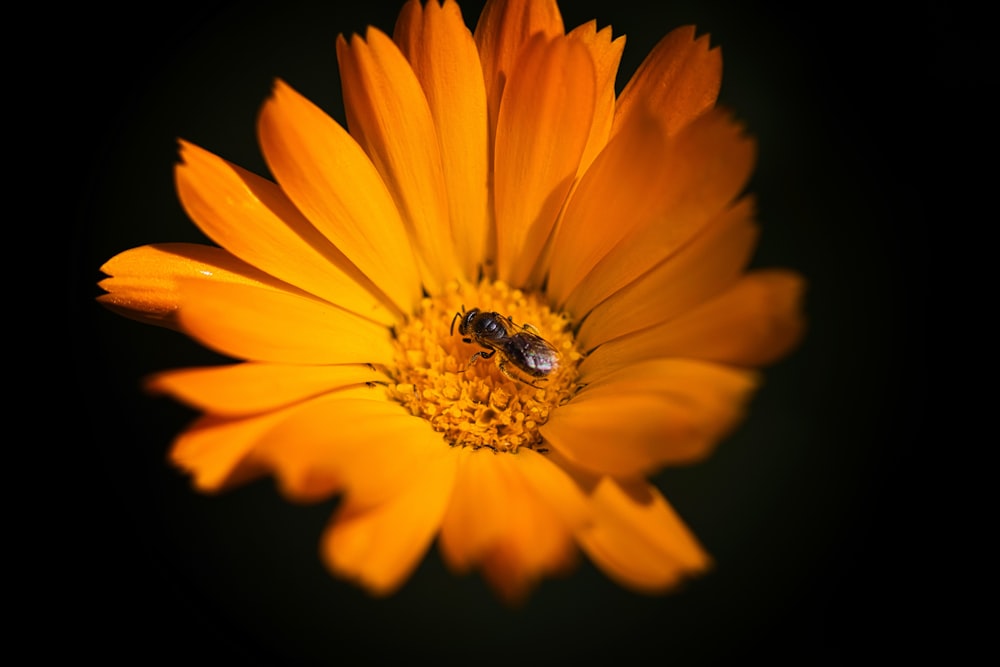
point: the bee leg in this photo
(508, 374)
(481, 354)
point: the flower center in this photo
(486, 365)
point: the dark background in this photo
(807, 509)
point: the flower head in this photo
(487, 310)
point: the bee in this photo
(520, 346)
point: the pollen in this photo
(483, 401)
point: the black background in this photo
(807, 509)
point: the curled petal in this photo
(755, 322)
(648, 415)
(679, 80)
(638, 539)
(144, 282)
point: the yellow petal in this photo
(503, 28)
(253, 219)
(705, 169)
(648, 415)
(545, 120)
(679, 80)
(144, 282)
(606, 54)
(334, 184)
(372, 446)
(638, 540)
(259, 324)
(709, 264)
(755, 322)
(379, 546)
(444, 58)
(249, 388)
(388, 113)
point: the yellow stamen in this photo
(476, 404)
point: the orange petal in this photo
(503, 28)
(754, 323)
(477, 516)
(379, 546)
(331, 180)
(388, 113)
(249, 388)
(679, 80)
(544, 123)
(621, 190)
(443, 55)
(144, 282)
(705, 169)
(252, 218)
(372, 446)
(213, 449)
(648, 415)
(638, 540)
(606, 54)
(259, 324)
(709, 264)
(498, 518)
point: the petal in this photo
(606, 54)
(650, 414)
(388, 113)
(754, 323)
(545, 120)
(706, 167)
(443, 55)
(638, 540)
(621, 190)
(379, 546)
(370, 445)
(259, 324)
(709, 264)
(249, 388)
(505, 516)
(254, 220)
(334, 184)
(213, 449)
(679, 80)
(144, 282)
(503, 28)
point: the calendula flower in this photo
(488, 310)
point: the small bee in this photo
(520, 346)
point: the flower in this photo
(487, 311)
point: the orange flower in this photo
(488, 310)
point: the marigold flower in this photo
(488, 310)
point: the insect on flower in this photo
(522, 346)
